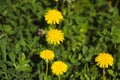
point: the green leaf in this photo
(41, 76)
(84, 49)
(8, 29)
(22, 64)
(22, 42)
(87, 77)
(8, 63)
(3, 43)
(115, 34)
(118, 65)
(12, 57)
(11, 71)
(3, 66)
(110, 71)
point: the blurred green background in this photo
(89, 26)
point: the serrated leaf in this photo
(23, 63)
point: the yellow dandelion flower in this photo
(47, 55)
(54, 36)
(53, 17)
(104, 59)
(58, 68)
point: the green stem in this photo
(117, 2)
(104, 77)
(46, 69)
(57, 5)
(6, 75)
(62, 6)
(52, 26)
(53, 48)
(76, 5)
(68, 9)
(59, 77)
(15, 65)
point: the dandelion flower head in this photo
(54, 36)
(53, 17)
(104, 59)
(47, 55)
(58, 68)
